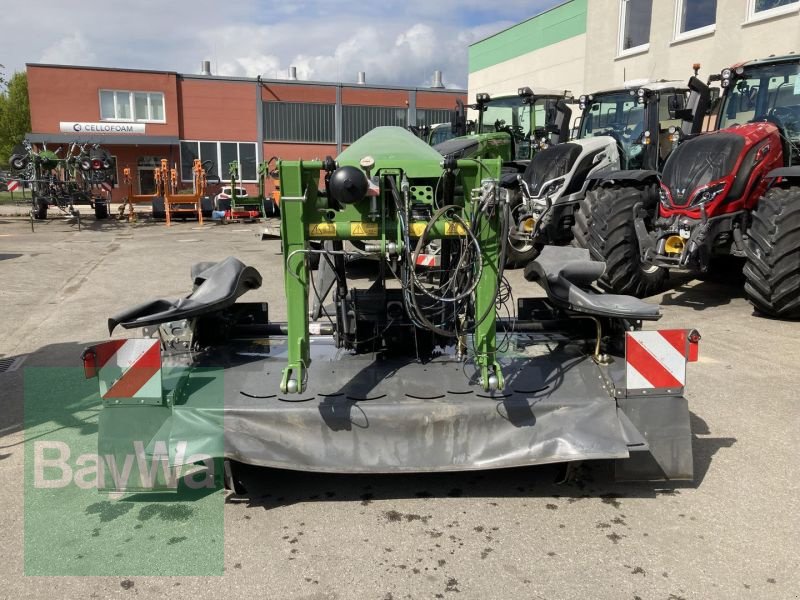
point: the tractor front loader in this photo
(412, 374)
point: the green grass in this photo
(5, 197)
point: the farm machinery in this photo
(82, 174)
(411, 374)
(622, 131)
(730, 194)
(236, 204)
(515, 129)
(168, 201)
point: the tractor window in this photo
(516, 117)
(620, 117)
(441, 133)
(769, 92)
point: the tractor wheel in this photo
(583, 225)
(612, 239)
(39, 209)
(519, 252)
(159, 211)
(518, 257)
(772, 270)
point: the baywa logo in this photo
(122, 489)
(54, 467)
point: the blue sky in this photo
(394, 42)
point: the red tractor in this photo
(732, 192)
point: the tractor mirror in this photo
(676, 103)
(458, 119)
(576, 127)
(713, 100)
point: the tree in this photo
(15, 114)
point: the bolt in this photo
(291, 386)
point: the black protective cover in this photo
(217, 286)
(699, 161)
(549, 164)
(448, 147)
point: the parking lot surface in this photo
(732, 533)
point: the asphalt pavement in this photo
(732, 533)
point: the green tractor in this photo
(407, 374)
(513, 129)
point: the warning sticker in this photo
(417, 229)
(359, 229)
(322, 230)
(452, 228)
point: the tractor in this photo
(620, 131)
(514, 129)
(727, 196)
(408, 374)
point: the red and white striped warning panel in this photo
(657, 359)
(428, 260)
(13, 185)
(126, 369)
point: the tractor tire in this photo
(519, 253)
(270, 208)
(100, 210)
(207, 206)
(612, 239)
(518, 258)
(772, 248)
(39, 209)
(583, 226)
(158, 208)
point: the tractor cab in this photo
(764, 91)
(643, 118)
(513, 128)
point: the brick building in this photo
(143, 116)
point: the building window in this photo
(299, 122)
(634, 26)
(358, 120)
(432, 116)
(694, 17)
(218, 157)
(766, 9)
(121, 105)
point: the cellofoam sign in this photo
(101, 128)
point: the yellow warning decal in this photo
(322, 230)
(359, 229)
(417, 229)
(452, 228)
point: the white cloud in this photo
(71, 50)
(395, 43)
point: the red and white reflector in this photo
(657, 359)
(126, 369)
(428, 260)
(12, 185)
